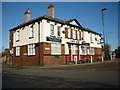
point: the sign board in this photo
(54, 39)
(47, 48)
(24, 53)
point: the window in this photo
(74, 49)
(17, 51)
(83, 35)
(31, 49)
(52, 29)
(59, 31)
(83, 50)
(98, 41)
(69, 33)
(74, 34)
(56, 49)
(31, 35)
(78, 35)
(17, 36)
(91, 51)
(90, 37)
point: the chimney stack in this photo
(27, 16)
(51, 10)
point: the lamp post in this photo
(103, 9)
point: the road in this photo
(98, 75)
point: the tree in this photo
(107, 48)
(6, 52)
(117, 52)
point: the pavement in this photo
(98, 74)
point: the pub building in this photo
(47, 40)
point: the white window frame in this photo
(51, 29)
(83, 49)
(91, 38)
(17, 51)
(91, 51)
(78, 36)
(55, 49)
(83, 35)
(59, 31)
(69, 33)
(31, 35)
(17, 36)
(31, 49)
(74, 34)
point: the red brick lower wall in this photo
(45, 56)
(49, 60)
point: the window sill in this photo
(56, 54)
(31, 55)
(59, 37)
(30, 37)
(52, 36)
(17, 56)
(17, 40)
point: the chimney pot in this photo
(27, 16)
(51, 10)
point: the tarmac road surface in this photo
(97, 75)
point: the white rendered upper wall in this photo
(45, 32)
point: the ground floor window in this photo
(31, 49)
(56, 49)
(91, 51)
(83, 49)
(17, 51)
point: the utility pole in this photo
(103, 9)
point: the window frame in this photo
(83, 49)
(56, 49)
(31, 34)
(59, 31)
(91, 51)
(83, 35)
(91, 38)
(52, 29)
(17, 36)
(17, 51)
(31, 49)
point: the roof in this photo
(83, 28)
(55, 20)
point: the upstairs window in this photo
(83, 36)
(17, 36)
(69, 34)
(31, 49)
(52, 29)
(98, 41)
(90, 37)
(17, 51)
(74, 34)
(31, 35)
(59, 31)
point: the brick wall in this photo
(11, 39)
(98, 51)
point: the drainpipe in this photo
(38, 42)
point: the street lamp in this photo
(103, 9)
